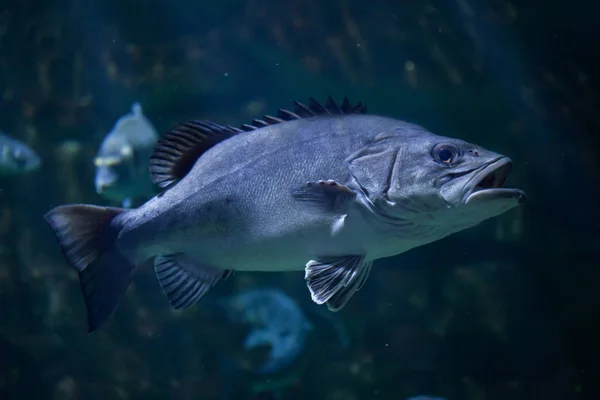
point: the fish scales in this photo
(257, 211)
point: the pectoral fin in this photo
(328, 197)
(183, 282)
(333, 281)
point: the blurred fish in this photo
(276, 321)
(278, 310)
(122, 159)
(16, 157)
(324, 189)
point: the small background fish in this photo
(16, 157)
(275, 321)
(122, 160)
(279, 326)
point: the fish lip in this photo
(34, 164)
(102, 187)
(487, 183)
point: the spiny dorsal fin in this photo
(177, 151)
(313, 109)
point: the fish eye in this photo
(445, 153)
(126, 151)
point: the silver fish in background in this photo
(122, 159)
(275, 320)
(325, 189)
(16, 157)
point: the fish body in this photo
(16, 157)
(275, 320)
(259, 226)
(122, 159)
(324, 189)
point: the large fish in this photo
(122, 159)
(16, 157)
(324, 189)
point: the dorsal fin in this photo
(313, 109)
(177, 151)
(136, 109)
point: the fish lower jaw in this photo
(517, 195)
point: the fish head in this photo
(453, 182)
(136, 128)
(441, 181)
(18, 158)
(115, 168)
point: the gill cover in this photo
(372, 167)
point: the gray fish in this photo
(122, 159)
(16, 157)
(276, 321)
(324, 189)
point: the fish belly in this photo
(288, 251)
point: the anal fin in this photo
(183, 281)
(333, 281)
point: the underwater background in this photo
(508, 309)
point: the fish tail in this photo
(87, 236)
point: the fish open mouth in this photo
(487, 183)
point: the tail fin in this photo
(86, 235)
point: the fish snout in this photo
(106, 178)
(104, 183)
(103, 186)
(488, 184)
(25, 160)
(33, 163)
